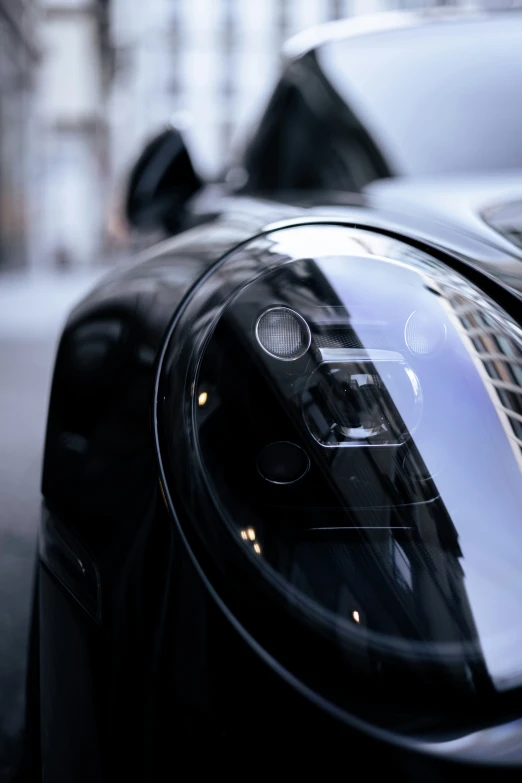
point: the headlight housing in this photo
(339, 422)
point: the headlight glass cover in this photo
(340, 420)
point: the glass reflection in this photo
(423, 536)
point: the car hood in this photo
(486, 206)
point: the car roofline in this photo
(308, 40)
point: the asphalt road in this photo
(32, 311)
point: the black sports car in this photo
(282, 491)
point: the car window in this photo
(297, 147)
(292, 150)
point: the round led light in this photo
(423, 334)
(283, 463)
(283, 333)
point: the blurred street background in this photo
(83, 84)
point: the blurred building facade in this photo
(18, 61)
(115, 71)
(72, 175)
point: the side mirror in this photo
(161, 182)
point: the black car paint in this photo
(155, 682)
(161, 679)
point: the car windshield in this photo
(437, 99)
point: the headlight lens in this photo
(355, 400)
(360, 446)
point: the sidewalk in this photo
(35, 305)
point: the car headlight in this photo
(339, 421)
